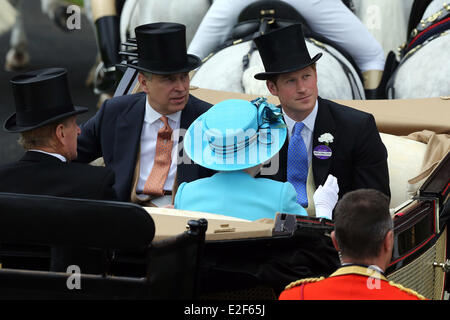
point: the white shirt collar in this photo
(151, 115)
(308, 121)
(56, 155)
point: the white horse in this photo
(337, 78)
(387, 20)
(8, 16)
(424, 72)
(139, 12)
(224, 70)
(18, 57)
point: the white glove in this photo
(326, 197)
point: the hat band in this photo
(25, 119)
(163, 64)
(232, 148)
(297, 62)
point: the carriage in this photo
(211, 259)
(419, 209)
(221, 257)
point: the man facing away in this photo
(45, 117)
(364, 238)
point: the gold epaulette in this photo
(407, 290)
(302, 281)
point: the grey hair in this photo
(42, 136)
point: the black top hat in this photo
(283, 50)
(41, 97)
(161, 49)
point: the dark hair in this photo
(362, 220)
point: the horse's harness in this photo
(428, 29)
(259, 18)
(435, 26)
(263, 16)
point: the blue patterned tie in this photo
(297, 164)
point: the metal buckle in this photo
(444, 266)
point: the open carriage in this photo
(220, 257)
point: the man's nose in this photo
(180, 84)
(301, 86)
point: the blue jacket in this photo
(239, 195)
(114, 133)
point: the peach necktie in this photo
(163, 158)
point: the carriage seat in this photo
(405, 158)
(119, 230)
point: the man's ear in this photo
(272, 87)
(388, 243)
(387, 248)
(333, 239)
(59, 132)
(59, 136)
(142, 82)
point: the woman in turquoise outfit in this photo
(235, 137)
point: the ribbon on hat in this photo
(268, 115)
(230, 149)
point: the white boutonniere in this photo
(326, 138)
(323, 151)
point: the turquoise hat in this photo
(236, 134)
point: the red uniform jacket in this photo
(349, 283)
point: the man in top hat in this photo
(324, 137)
(45, 117)
(138, 135)
(364, 237)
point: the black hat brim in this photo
(10, 124)
(267, 75)
(192, 63)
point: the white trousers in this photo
(329, 18)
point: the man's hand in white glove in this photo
(326, 197)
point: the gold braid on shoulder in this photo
(407, 290)
(302, 281)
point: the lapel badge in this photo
(323, 151)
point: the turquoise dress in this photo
(237, 194)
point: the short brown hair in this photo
(362, 220)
